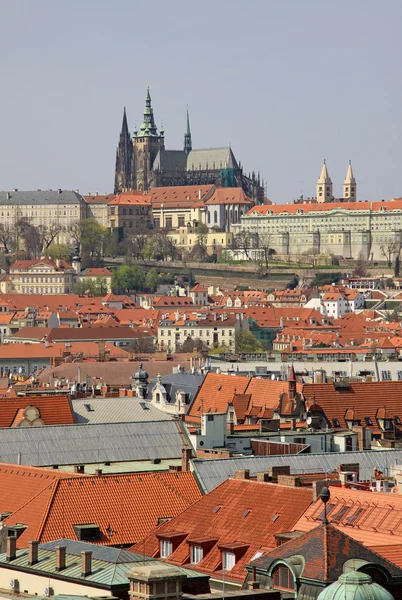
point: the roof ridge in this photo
(47, 511)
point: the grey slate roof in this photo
(187, 382)
(115, 410)
(213, 158)
(211, 473)
(41, 197)
(170, 160)
(105, 553)
(82, 444)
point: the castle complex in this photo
(142, 162)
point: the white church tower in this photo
(349, 185)
(324, 185)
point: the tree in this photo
(264, 244)
(247, 343)
(360, 269)
(397, 266)
(135, 243)
(7, 237)
(160, 247)
(388, 249)
(49, 233)
(293, 283)
(202, 230)
(126, 278)
(89, 236)
(242, 242)
(152, 280)
(31, 236)
(58, 252)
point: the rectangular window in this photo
(168, 223)
(228, 560)
(181, 221)
(196, 554)
(165, 548)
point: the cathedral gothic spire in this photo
(124, 159)
(148, 127)
(187, 136)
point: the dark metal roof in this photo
(186, 382)
(86, 444)
(41, 197)
(170, 160)
(213, 472)
(105, 553)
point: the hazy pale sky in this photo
(286, 82)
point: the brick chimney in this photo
(11, 548)
(33, 552)
(242, 474)
(60, 558)
(86, 563)
(186, 454)
(275, 471)
(253, 584)
(262, 477)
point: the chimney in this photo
(86, 563)
(60, 558)
(242, 474)
(186, 454)
(33, 552)
(253, 584)
(59, 191)
(262, 477)
(11, 548)
(98, 472)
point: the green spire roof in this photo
(148, 127)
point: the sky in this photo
(286, 82)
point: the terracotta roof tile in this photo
(128, 506)
(237, 511)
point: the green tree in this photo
(89, 236)
(58, 252)
(247, 343)
(152, 280)
(126, 278)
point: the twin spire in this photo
(325, 187)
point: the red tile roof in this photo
(242, 512)
(130, 198)
(326, 207)
(125, 507)
(365, 398)
(53, 410)
(181, 196)
(98, 199)
(325, 550)
(215, 394)
(229, 196)
(374, 519)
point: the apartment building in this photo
(213, 329)
(130, 212)
(97, 207)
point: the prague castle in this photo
(342, 227)
(142, 162)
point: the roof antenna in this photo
(325, 496)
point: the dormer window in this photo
(282, 578)
(165, 548)
(197, 554)
(228, 560)
(387, 424)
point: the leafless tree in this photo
(7, 237)
(135, 244)
(242, 242)
(264, 244)
(49, 233)
(388, 250)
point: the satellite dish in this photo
(309, 420)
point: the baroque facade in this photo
(142, 162)
(372, 230)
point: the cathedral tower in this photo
(146, 145)
(187, 137)
(349, 185)
(324, 185)
(124, 159)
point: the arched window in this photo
(157, 397)
(215, 216)
(282, 578)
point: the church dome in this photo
(140, 375)
(355, 586)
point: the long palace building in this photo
(371, 230)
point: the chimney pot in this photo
(11, 548)
(242, 474)
(33, 552)
(86, 563)
(60, 558)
